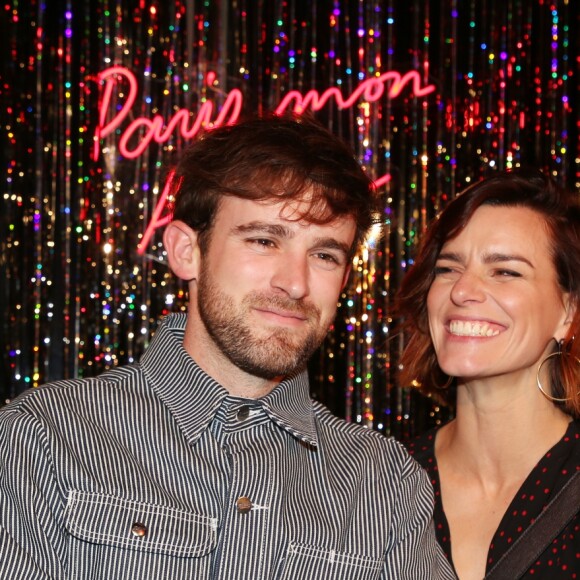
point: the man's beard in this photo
(281, 352)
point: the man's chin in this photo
(271, 373)
(275, 356)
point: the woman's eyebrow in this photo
(491, 258)
(451, 256)
(495, 257)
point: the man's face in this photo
(269, 285)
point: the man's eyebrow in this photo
(277, 230)
(332, 244)
(492, 258)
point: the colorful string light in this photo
(78, 297)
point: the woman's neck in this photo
(500, 432)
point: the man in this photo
(208, 459)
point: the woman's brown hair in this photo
(560, 211)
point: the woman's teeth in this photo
(467, 328)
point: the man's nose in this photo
(291, 275)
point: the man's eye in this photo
(327, 258)
(262, 242)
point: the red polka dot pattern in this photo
(561, 561)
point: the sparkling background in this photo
(76, 297)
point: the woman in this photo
(491, 314)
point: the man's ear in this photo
(346, 275)
(181, 245)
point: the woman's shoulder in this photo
(564, 456)
(573, 431)
(422, 447)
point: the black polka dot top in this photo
(562, 558)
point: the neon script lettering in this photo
(145, 130)
(141, 131)
(154, 129)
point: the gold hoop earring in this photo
(539, 383)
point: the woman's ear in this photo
(181, 244)
(570, 308)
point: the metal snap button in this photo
(244, 505)
(243, 413)
(139, 530)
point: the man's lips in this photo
(281, 310)
(280, 314)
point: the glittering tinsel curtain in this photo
(494, 85)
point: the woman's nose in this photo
(468, 288)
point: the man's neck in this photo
(214, 363)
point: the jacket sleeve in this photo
(32, 540)
(415, 553)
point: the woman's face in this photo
(495, 304)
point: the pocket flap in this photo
(305, 561)
(116, 521)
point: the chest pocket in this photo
(113, 537)
(303, 561)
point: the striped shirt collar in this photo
(194, 398)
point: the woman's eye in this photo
(440, 270)
(508, 273)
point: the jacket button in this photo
(244, 505)
(139, 530)
(243, 413)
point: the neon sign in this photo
(144, 130)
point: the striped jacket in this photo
(154, 471)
